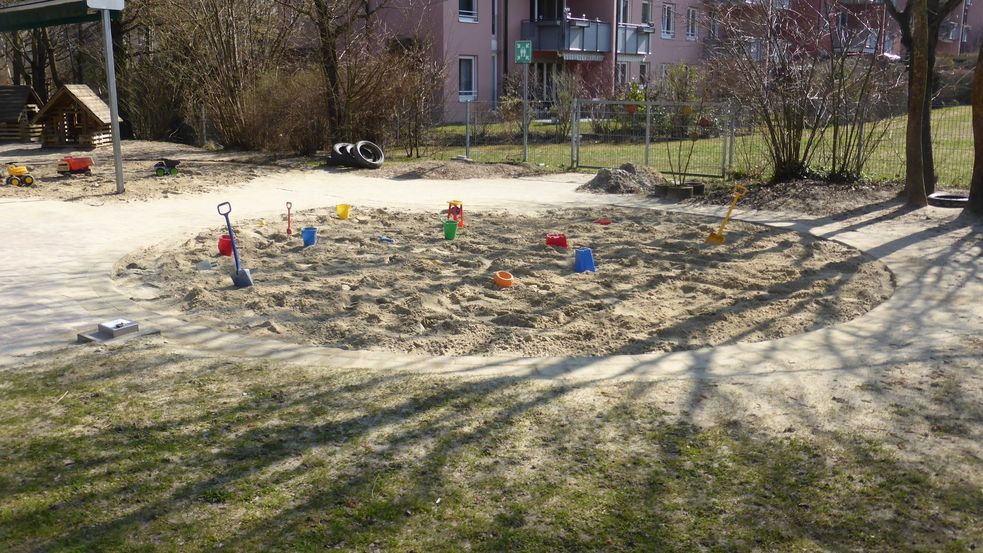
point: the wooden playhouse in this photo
(75, 117)
(18, 106)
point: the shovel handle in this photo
(228, 208)
(289, 206)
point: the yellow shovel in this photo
(718, 236)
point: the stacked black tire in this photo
(361, 155)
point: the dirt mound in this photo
(659, 287)
(452, 170)
(628, 179)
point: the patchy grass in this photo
(152, 451)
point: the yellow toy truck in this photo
(18, 175)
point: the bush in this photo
(286, 113)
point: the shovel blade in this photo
(715, 238)
(242, 279)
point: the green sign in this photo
(523, 51)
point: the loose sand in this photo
(658, 286)
(200, 171)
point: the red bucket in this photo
(556, 239)
(225, 245)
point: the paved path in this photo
(57, 259)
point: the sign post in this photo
(523, 56)
(105, 6)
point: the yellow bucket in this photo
(343, 210)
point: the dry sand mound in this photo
(659, 287)
(628, 179)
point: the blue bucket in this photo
(309, 234)
(584, 261)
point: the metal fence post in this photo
(525, 114)
(860, 145)
(723, 156)
(648, 130)
(730, 154)
(574, 116)
(467, 129)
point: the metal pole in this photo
(860, 144)
(733, 118)
(573, 134)
(525, 114)
(467, 129)
(723, 156)
(113, 109)
(648, 130)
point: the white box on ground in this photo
(118, 327)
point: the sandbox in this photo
(658, 286)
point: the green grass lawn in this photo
(141, 449)
(952, 134)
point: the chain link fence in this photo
(691, 139)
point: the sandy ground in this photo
(450, 170)
(659, 287)
(200, 171)
(810, 197)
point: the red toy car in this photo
(74, 165)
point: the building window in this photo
(467, 11)
(624, 11)
(668, 20)
(714, 31)
(663, 71)
(621, 73)
(889, 43)
(467, 88)
(966, 30)
(691, 15)
(842, 22)
(643, 73)
(647, 12)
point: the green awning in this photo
(32, 14)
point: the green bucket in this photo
(450, 230)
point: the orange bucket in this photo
(503, 279)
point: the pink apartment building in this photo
(609, 42)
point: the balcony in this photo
(572, 38)
(635, 39)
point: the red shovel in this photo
(289, 231)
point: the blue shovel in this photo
(241, 278)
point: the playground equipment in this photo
(166, 167)
(241, 277)
(344, 210)
(455, 212)
(584, 261)
(71, 165)
(503, 279)
(556, 239)
(19, 175)
(290, 231)
(717, 237)
(309, 235)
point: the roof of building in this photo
(84, 97)
(12, 102)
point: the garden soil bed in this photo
(659, 287)
(817, 198)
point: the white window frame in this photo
(966, 30)
(468, 16)
(646, 12)
(668, 20)
(465, 95)
(621, 73)
(624, 11)
(692, 16)
(643, 73)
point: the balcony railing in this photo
(568, 35)
(635, 39)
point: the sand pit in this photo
(659, 287)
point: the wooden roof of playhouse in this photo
(14, 100)
(81, 95)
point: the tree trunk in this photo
(918, 90)
(328, 38)
(976, 184)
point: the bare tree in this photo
(915, 185)
(976, 184)
(936, 13)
